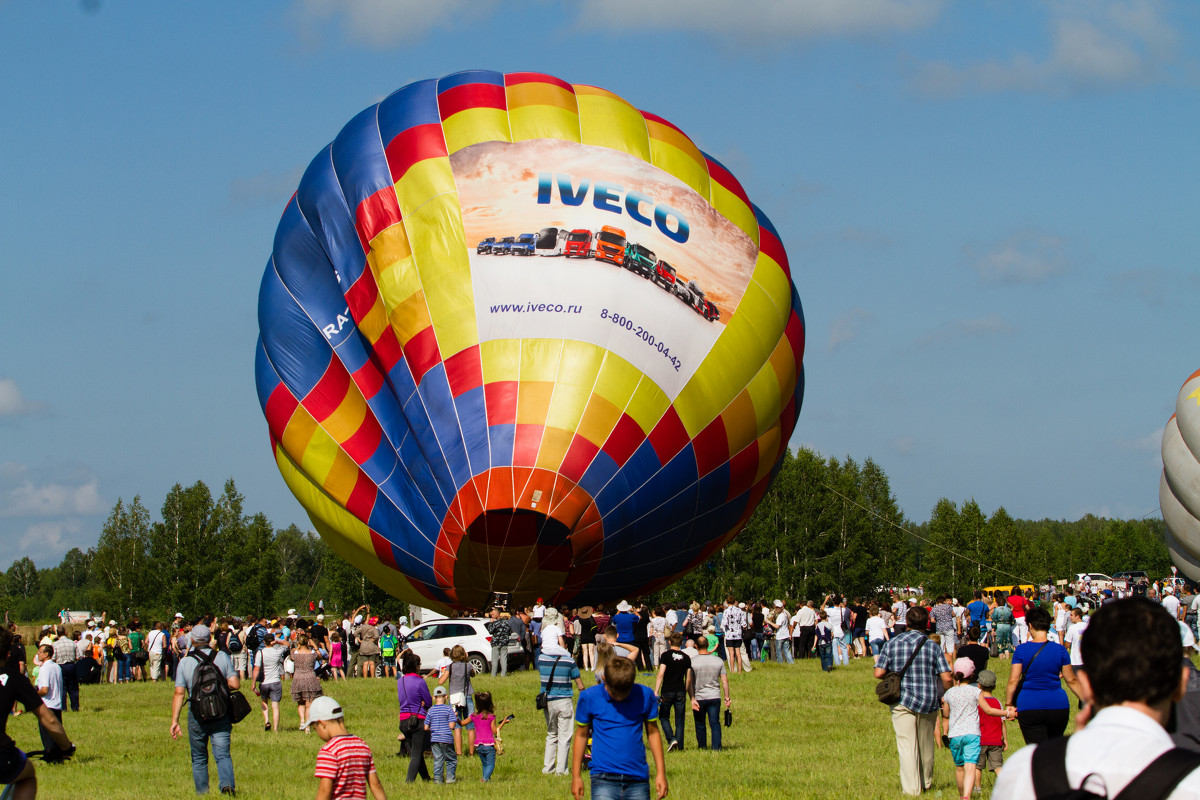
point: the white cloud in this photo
(1092, 45)
(847, 327)
(13, 402)
(267, 188)
(25, 499)
(751, 20)
(1150, 443)
(1022, 257)
(386, 23)
(991, 325)
(49, 537)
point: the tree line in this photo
(825, 525)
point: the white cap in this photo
(779, 604)
(358, 620)
(320, 617)
(178, 615)
(742, 605)
(291, 612)
(325, 708)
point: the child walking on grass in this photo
(345, 765)
(993, 739)
(964, 706)
(483, 738)
(441, 723)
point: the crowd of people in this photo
(941, 652)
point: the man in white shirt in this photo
(1170, 602)
(50, 688)
(1134, 673)
(154, 646)
(1074, 638)
(783, 634)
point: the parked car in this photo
(579, 244)
(550, 241)
(664, 275)
(610, 245)
(710, 311)
(485, 246)
(504, 246)
(427, 642)
(1098, 581)
(524, 245)
(640, 259)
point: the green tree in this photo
(118, 571)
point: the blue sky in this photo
(988, 206)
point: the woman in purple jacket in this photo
(415, 700)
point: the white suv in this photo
(428, 640)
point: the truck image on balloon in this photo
(456, 425)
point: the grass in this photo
(797, 733)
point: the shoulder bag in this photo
(888, 688)
(542, 699)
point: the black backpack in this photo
(235, 642)
(210, 691)
(1155, 782)
(254, 638)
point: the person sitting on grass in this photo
(613, 716)
(345, 764)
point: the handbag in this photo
(542, 698)
(888, 688)
(499, 746)
(239, 706)
(728, 718)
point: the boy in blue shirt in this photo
(446, 740)
(614, 716)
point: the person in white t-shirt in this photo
(50, 687)
(1074, 637)
(835, 618)
(782, 643)
(877, 631)
(1170, 602)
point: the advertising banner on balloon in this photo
(568, 241)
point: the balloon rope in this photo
(876, 514)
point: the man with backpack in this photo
(204, 679)
(1121, 748)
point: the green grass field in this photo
(797, 733)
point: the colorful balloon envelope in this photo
(1179, 486)
(518, 336)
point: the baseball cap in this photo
(987, 679)
(964, 665)
(291, 612)
(325, 708)
(200, 633)
(178, 615)
(439, 691)
(358, 619)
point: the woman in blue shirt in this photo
(1038, 665)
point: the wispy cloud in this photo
(267, 188)
(751, 20)
(847, 327)
(1150, 443)
(904, 445)
(1022, 257)
(991, 325)
(1092, 46)
(384, 24)
(21, 497)
(1157, 287)
(13, 402)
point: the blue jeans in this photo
(841, 649)
(123, 671)
(487, 757)
(444, 760)
(783, 651)
(825, 651)
(877, 646)
(199, 734)
(609, 786)
(710, 709)
(672, 700)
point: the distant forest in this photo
(826, 525)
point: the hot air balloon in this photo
(518, 336)
(1179, 486)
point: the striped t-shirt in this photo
(347, 761)
(440, 720)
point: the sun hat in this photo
(987, 679)
(325, 708)
(964, 665)
(623, 606)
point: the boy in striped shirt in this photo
(345, 765)
(446, 740)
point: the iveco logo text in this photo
(607, 197)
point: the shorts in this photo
(991, 756)
(388, 661)
(733, 644)
(271, 691)
(964, 749)
(12, 763)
